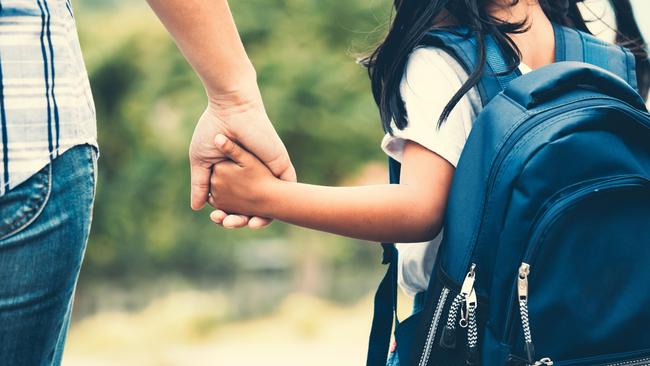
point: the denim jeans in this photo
(418, 304)
(44, 227)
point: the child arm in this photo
(411, 211)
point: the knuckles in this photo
(215, 179)
(222, 173)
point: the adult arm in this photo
(205, 32)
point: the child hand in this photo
(240, 184)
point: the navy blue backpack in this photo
(545, 258)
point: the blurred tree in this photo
(148, 100)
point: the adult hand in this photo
(244, 182)
(241, 117)
(206, 34)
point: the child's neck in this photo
(537, 44)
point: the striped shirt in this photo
(46, 106)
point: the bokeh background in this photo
(160, 284)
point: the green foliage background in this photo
(148, 100)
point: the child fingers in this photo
(259, 222)
(232, 150)
(220, 217)
(217, 216)
(221, 178)
(235, 221)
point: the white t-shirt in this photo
(431, 79)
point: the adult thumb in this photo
(200, 184)
(289, 174)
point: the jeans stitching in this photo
(93, 175)
(24, 220)
(92, 159)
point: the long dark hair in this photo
(414, 18)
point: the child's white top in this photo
(432, 77)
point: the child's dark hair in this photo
(414, 18)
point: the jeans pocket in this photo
(94, 157)
(21, 206)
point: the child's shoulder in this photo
(431, 56)
(434, 67)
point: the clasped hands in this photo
(226, 175)
(242, 184)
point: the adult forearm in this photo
(381, 213)
(206, 34)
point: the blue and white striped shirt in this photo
(46, 105)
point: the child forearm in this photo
(411, 211)
(382, 213)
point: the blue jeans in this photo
(44, 227)
(418, 304)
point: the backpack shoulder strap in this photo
(385, 302)
(462, 46)
(570, 45)
(496, 77)
(573, 45)
(385, 311)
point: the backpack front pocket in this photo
(583, 265)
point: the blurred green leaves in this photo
(148, 100)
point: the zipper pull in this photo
(473, 357)
(468, 283)
(469, 293)
(544, 362)
(466, 290)
(522, 281)
(522, 293)
(448, 337)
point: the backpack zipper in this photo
(638, 362)
(543, 362)
(549, 216)
(547, 361)
(473, 355)
(431, 334)
(459, 305)
(522, 294)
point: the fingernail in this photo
(220, 140)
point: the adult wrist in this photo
(237, 88)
